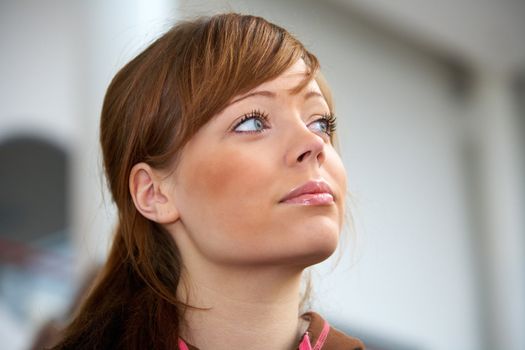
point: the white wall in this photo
(39, 70)
(501, 191)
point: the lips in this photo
(316, 192)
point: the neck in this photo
(244, 308)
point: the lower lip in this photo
(311, 199)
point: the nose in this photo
(306, 147)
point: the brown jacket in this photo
(336, 339)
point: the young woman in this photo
(218, 150)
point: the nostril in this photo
(320, 157)
(302, 156)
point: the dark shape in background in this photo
(35, 250)
(33, 189)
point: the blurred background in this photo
(430, 98)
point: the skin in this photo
(236, 180)
(243, 251)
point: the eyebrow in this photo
(270, 94)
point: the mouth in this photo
(315, 192)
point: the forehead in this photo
(285, 85)
(290, 79)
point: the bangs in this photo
(232, 54)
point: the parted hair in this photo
(152, 107)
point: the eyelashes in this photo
(257, 121)
(331, 122)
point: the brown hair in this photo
(151, 109)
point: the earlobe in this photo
(149, 195)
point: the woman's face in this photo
(234, 173)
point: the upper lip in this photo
(310, 187)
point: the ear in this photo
(150, 194)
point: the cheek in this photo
(226, 191)
(341, 174)
(336, 170)
(226, 201)
(337, 173)
(225, 175)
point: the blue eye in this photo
(252, 122)
(326, 124)
(321, 125)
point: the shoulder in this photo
(335, 339)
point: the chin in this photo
(321, 252)
(301, 251)
(309, 243)
(317, 245)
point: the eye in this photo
(326, 124)
(253, 122)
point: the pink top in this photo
(305, 343)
